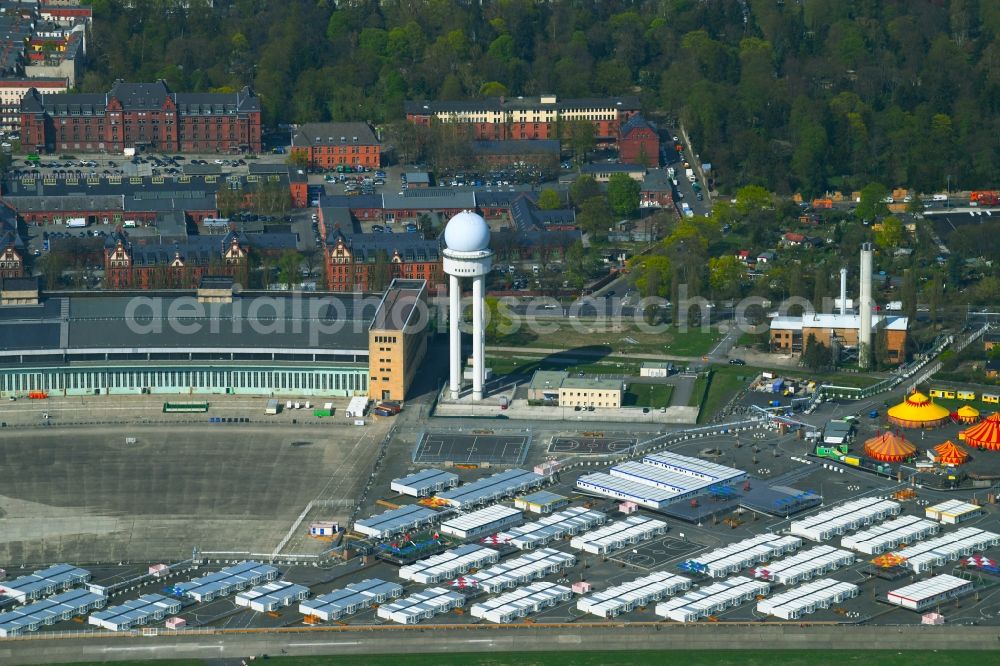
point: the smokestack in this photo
(865, 307)
(843, 291)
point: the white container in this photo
(288, 404)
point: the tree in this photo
(289, 264)
(623, 194)
(580, 135)
(594, 217)
(815, 355)
(652, 275)
(548, 199)
(872, 205)
(890, 235)
(298, 158)
(583, 188)
(498, 320)
(726, 275)
(908, 294)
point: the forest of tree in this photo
(794, 96)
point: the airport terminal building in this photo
(212, 341)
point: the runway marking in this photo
(162, 647)
(479, 640)
(330, 644)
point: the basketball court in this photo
(472, 448)
(591, 446)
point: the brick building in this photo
(329, 145)
(172, 265)
(12, 249)
(142, 116)
(639, 142)
(370, 261)
(527, 117)
(13, 90)
(790, 334)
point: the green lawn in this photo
(647, 395)
(724, 384)
(616, 339)
(635, 658)
(505, 365)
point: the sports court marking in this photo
(473, 449)
(591, 446)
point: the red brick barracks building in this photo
(329, 145)
(142, 116)
(527, 117)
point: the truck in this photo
(76, 222)
(391, 406)
(327, 410)
(272, 407)
(686, 209)
(690, 175)
(984, 198)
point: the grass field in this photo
(624, 337)
(506, 365)
(647, 395)
(636, 658)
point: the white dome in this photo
(467, 232)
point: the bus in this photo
(184, 407)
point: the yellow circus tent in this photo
(967, 414)
(889, 447)
(918, 411)
(950, 454)
(985, 435)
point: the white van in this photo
(129, 224)
(940, 197)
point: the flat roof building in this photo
(491, 488)
(521, 602)
(568, 522)
(928, 593)
(396, 521)
(272, 596)
(424, 483)
(541, 501)
(63, 606)
(421, 605)
(489, 520)
(44, 582)
(351, 599)
(222, 583)
(136, 612)
(953, 511)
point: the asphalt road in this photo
(495, 639)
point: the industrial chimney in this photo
(843, 291)
(865, 307)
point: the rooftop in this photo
(330, 134)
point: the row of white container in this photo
(634, 594)
(935, 552)
(619, 535)
(135, 612)
(721, 562)
(715, 598)
(568, 522)
(351, 599)
(807, 598)
(844, 518)
(880, 538)
(935, 590)
(520, 570)
(521, 602)
(488, 520)
(449, 564)
(805, 565)
(421, 605)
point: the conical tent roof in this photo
(951, 454)
(889, 447)
(918, 411)
(985, 435)
(967, 414)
